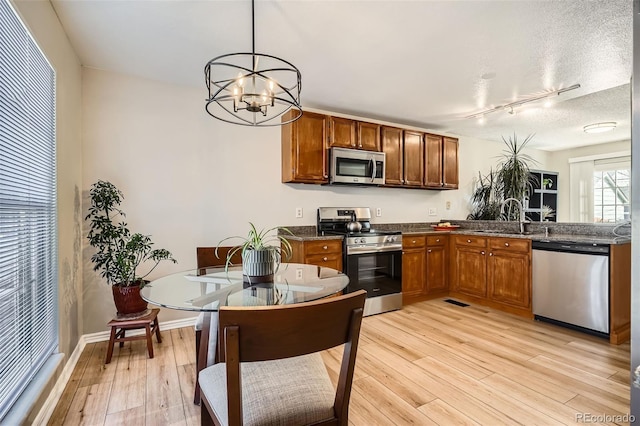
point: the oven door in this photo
(380, 274)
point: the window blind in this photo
(28, 246)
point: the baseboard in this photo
(52, 400)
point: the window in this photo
(28, 246)
(611, 191)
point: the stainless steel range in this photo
(372, 258)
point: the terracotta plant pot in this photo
(128, 300)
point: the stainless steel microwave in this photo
(353, 166)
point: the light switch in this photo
(378, 212)
(298, 212)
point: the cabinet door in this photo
(413, 272)
(436, 269)
(343, 133)
(433, 161)
(413, 158)
(304, 149)
(369, 136)
(509, 278)
(471, 271)
(449, 163)
(392, 147)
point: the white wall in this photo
(558, 161)
(43, 24)
(192, 180)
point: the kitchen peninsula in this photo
(490, 263)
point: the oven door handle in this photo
(370, 249)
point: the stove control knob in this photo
(362, 241)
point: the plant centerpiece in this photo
(119, 252)
(510, 180)
(262, 252)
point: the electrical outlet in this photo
(298, 212)
(378, 212)
(448, 205)
(433, 211)
(299, 274)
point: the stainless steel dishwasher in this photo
(571, 284)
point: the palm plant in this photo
(510, 180)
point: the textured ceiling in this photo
(422, 63)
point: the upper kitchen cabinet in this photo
(413, 159)
(304, 149)
(391, 141)
(345, 133)
(441, 161)
(368, 136)
(342, 132)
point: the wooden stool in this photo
(148, 322)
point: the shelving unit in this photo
(544, 192)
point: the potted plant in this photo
(262, 252)
(510, 180)
(119, 252)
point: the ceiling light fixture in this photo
(600, 127)
(510, 107)
(252, 89)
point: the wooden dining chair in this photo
(206, 257)
(271, 371)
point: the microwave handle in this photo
(373, 170)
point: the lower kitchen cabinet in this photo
(437, 261)
(327, 253)
(493, 271)
(413, 266)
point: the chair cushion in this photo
(292, 391)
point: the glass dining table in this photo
(292, 283)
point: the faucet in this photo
(522, 217)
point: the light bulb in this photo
(240, 79)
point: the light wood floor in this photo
(430, 363)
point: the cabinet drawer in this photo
(329, 260)
(436, 240)
(413, 241)
(470, 241)
(323, 247)
(510, 244)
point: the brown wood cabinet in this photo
(493, 271)
(441, 162)
(413, 266)
(326, 253)
(392, 146)
(342, 132)
(304, 149)
(509, 271)
(368, 136)
(437, 262)
(413, 159)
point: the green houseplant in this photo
(119, 253)
(262, 252)
(510, 180)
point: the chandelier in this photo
(253, 89)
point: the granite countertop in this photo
(572, 232)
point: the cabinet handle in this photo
(325, 259)
(324, 247)
(490, 254)
(482, 252)
(468, 241)
(413, 242)
(506, 244)
(438, 240)
(429, 251)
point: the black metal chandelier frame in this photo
(229, 99)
